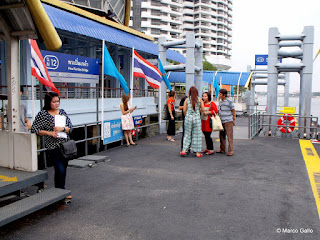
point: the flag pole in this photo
(131, 77)
(102, 90)
(32, 98)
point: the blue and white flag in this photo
(111, 70)
(164, 75)
(143, 69)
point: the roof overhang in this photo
(24, 19)
(16, 20)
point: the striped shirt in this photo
(225, 109)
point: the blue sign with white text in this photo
(261, 60)
(60, 62)
(112, 131)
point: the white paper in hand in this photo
(60, 121)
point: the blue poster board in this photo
(112, 131)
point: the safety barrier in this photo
(286, 124)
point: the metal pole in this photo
(286, 89)
(102, 89)
(198, 63)
(163, 88)
(190, 63)
(272, 76)
(306, 78)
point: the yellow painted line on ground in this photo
(312, 161)
(8, 179)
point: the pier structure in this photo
(260, 77)
(299, 47)
(193, 66)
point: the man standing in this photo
(228, 119)
(25, 124)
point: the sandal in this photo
(220, 151)
(200, 155)
(172, 140)
(204, 151)
(183, 154)
(210, 152)
(230, 154)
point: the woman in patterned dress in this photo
(126, 119)
(44, 125)
(192, 123)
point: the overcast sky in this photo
(252, 20)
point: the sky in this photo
(252, 20)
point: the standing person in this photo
(228, 119)
(126, 119)
(25, 124)
(210, 109)
(192, 123)
(171, 131)
(182, 113)
(44, 125)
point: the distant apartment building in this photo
(210, 20)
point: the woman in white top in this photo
(126, 119)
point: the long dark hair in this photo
(193, 96)
(125, 99)
(48, 98)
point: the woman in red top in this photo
(210, 109)
(172, 123)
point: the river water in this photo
(293, 102)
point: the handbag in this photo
(68, 150)
(165, 113)
(216, 123)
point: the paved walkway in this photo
(149, 192)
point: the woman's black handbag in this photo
(68, 150)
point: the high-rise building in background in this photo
(210, 20)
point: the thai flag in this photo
(38, 67)
(143, 69)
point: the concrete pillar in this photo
(136, 18)
(306, 80)
(13, 74)
(287, 89)
(190, 43)
(272, 76)
(163, 88)
(198, 63)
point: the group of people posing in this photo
(196, 114)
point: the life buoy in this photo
(291, 123)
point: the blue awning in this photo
(227, 78)
(73, 23)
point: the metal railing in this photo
(288, 127)
(97, 137)
(70, 92)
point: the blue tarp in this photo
(227, 78)
(73, 23)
